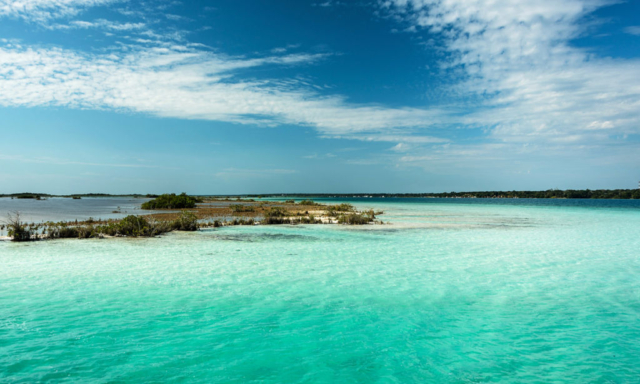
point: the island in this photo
(171, 212)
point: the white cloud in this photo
(633, 30)
(239, 173)
(401, 147)
(57, 161)
(100, 23)
(316, 156)
(414, 139)
(530, 83)
(44, 10)
(183, 82)
(328, 4)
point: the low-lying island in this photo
(188, 213)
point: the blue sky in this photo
(255, 96)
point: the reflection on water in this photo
(64, 209)
(259, 237)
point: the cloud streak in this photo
(99, 23)
(633, 30)
(521, 80)
(529, 83)
(183, 82)
(44, 10)
(536, 98)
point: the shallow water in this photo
(66, 209)
(449, 292)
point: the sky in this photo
(270, 96)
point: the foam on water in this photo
(447, 293)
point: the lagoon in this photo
(453, 290)
(66, 209)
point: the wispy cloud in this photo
(58, 161)
(252, 173)
(521, 80)
(185, 82)
(633, 30)
(328, 3)
(322, 156)
(528, 84)
(285, 49)
(100, 23)
(45, 10)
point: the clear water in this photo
(451, 292)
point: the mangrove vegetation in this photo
(130, 226)
(171, 201)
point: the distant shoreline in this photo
(623, 194)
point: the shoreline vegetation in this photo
(188, 213)
(547, 194)
(622, 194)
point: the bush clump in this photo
(17, 230)
(275, 215)
(355, 219)
(275, 212)
(28, 196)
(306, 220)
(334, 210)
(236, 208)
(130, 226)
(171, 201)
(60, 231)
(135, 226)
(187, 221)
(248, 221)
(308, 202)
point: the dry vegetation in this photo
(207, 213)
(226, 211)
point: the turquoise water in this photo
(450, 292)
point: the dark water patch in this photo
(263, 237)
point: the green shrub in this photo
(354, 219)
(334, 210)
(276, 215)
(27, 196)
(171, 201)
(308, 202)
(275, 212)
(132, 226)
(17, 230)
(136, 226)
(248, 221)
(276, 220)
(344, 207)
(86, 232)
(63, 232)
(186, 222)
(309, 220)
